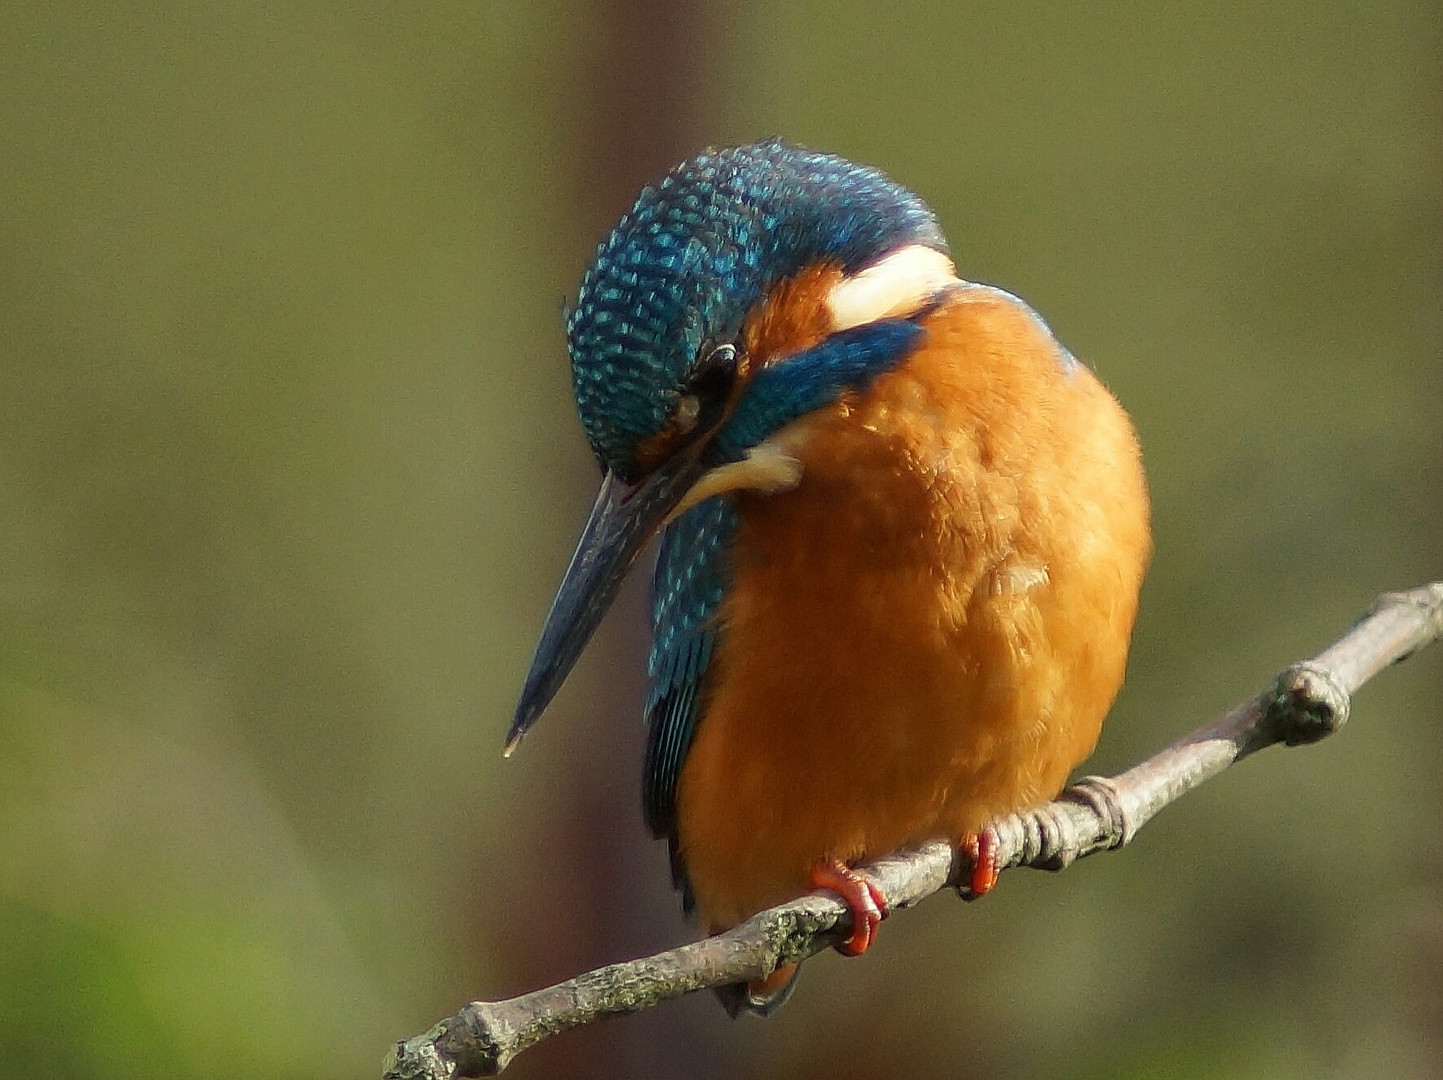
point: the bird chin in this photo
(768, 467)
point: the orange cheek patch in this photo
(793, 316)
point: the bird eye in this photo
(715, 375)
(721, 356)
(700, 406)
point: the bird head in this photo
(749, 287)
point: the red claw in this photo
(863, 897)
(981, 848)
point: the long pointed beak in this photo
(622, 521)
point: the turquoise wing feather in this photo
(687, 590)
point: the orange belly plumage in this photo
(929, 629)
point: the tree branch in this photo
(1307, 702)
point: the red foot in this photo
(981, 848)
(861, 895)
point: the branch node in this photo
(1309, 702)
(419, 1059)
(468, 1044)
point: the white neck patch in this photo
(898, 285)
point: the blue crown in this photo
(697, 251)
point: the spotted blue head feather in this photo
(695, 253)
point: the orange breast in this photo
(929, 629)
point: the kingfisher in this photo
(903, 531)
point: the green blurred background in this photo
(289, 469)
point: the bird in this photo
(903, 531)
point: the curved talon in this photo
(981, 848)
(863, 897)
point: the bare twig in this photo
(1307, 702)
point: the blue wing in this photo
(687, 590)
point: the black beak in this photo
(622, 521)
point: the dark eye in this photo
(712, 383)
(721, 358)
(700, 407)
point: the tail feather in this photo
(762, 997)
